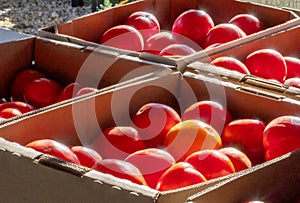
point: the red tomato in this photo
(193, 24)
(248, 23)
(42, 92)
(86, 156)
(223, 33)
(120, 169)
(292, 66)
(239, 160)
(54, 148)
(85, 90)
(230, 63)
(177, 50)
(9, 113)
(68, 92)
(118, 142)
(20, 82)
(153, 121)
(21, 106)
(179, 175)
(145, 22)
(152, 163)
(294, 82)
(267, 63)
(281, 136)
(210, 112)
(247, 135)
(123, 37)
(211, 163)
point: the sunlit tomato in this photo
(68, 92)
(230, 63)
(21, 106)
(54, 148)
(210, 112)
(211, 163)
(20, 82)
(177, 50)
(42, 92)
(152, 163)
(156, 43)
(190, 136)
(246, 135)
(267, 63)
(145, 22)
(153, 121)
(281, 136)
(193, 24)
(123, 37)
(292, 66)
(223, 33)
(85, 90)
(120, 169)
(9, 113)
(239, 159)
(86, 156)
(118, 142)
(294, 82)
(248, 23)
(179, 175)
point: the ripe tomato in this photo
(292, 66)
(120, 169)
(86, 156)
(152, 162)
(281, 136)
(9, 113)
(193, 24)
(211, 163)
(118, 142)
(42, 92)
(248, 23)
(267, 63)
(21, 106)
(294, 82)
(85, 90)
(123, 37)
(246, 135)
(179, 175)
(230, 63)
(145, 22)
(153, 121)
(20, 82)
(68, 92)
(210, 112)
(223, 33)
(239, 159)
(177, 50)
(54, 148)
(190, 136)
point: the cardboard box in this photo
(281, 3)
(80, 122)
(274, 181)
(88, 29)
(284, 42)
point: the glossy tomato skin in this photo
(20, 82)
(68, 92)
(248, 23)
(156, 43)
(86, 156)
(246, 135)
(179, 175)
(146, 23)
(118, 142)
(120, 169)
(21, 106)
(193, 24)
(152, 162)
(85, 90)
(153, 121)
(292, 66)
(42, 92)
(9, 113)
(294, 82)
(211, 163)
(230, 63)
(177, 50)
(239, 159)
(267, 63)
(123, 37)
(281, 136)
(223, 33)
(54, 148)
(210, 112)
